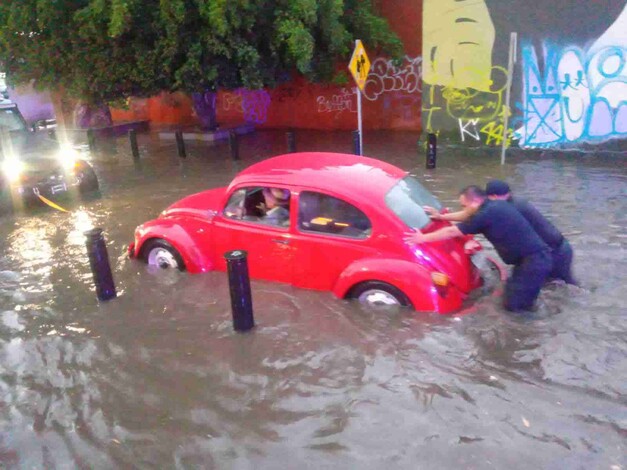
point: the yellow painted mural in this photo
(457, 44)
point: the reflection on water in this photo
(157, 378)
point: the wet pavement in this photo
(157, 378)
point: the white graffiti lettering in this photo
(464, 131)
(345, 101)
(385, 77)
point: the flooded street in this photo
(158, 379)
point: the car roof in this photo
(325, 171)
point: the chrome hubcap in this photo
(378, 298)
(162, 258)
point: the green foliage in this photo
(106, 50)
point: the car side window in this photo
(322, 213)
(260, 204)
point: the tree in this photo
(103, 51)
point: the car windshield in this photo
(406, 199)
(10, 120)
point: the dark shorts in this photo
(562, 263)
(528, 277)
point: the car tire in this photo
(88, 181)
(161, 254)
(379, 294)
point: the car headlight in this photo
(13, 169)
(68, 158)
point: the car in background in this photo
(34, 164)
(341, 229)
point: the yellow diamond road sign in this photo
(359, 65)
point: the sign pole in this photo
(359, 67)
(513, 47)
(359, 126)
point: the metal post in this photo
(239, 286)
(180, 144)
(291, 142)
(99, 261)
(91, 140)
(234, 144)
(361, 132)
(432, 150)
(356, 143)
(132, 137)
(513, 47)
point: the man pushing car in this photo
(513, 237)
(561, 251)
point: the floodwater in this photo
(158, 379)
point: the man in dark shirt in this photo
(561, 251)
(514, 239)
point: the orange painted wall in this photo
(166, 108)
(391, 100)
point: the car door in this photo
(329, 234)
(240, 226)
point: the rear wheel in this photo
(379, 294)
(161, 254)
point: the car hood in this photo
(204, 204)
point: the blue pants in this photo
(523, 287)
(562, 263)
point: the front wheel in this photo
(161, 254)
(379, 295)
(87, 179)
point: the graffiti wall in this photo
(569, 83)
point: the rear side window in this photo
(406, 199)
(326, 214)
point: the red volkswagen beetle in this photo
(323, 221)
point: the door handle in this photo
(282, 241)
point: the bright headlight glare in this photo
(68, 157)
(12, 169)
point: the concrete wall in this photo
(569, 84)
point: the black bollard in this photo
(239, 285)
(432, 150)
(132, 137)
(291, 142)
(234, 144)
(180, 144)
(356, 145)
(99, 261)
(91, 140)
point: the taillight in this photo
(441, 282)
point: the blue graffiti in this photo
(577, 97)
(255, 104)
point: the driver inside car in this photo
(275, 207)
(268, 205)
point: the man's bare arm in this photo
(442, 234)
(459, 216)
